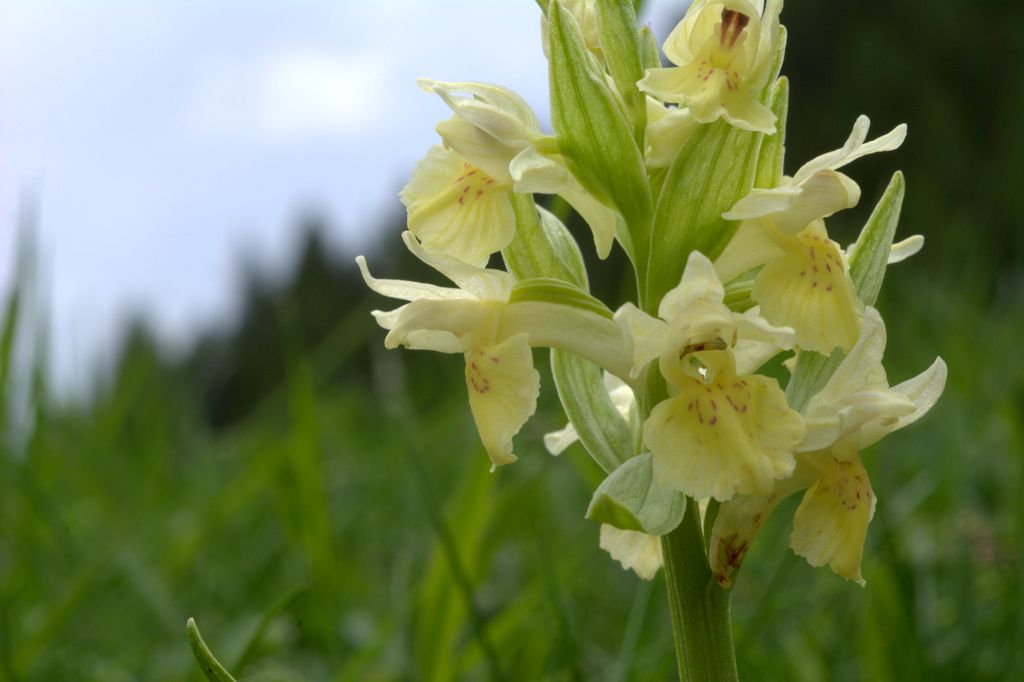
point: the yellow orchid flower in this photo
(723, 430)
(723, 55)
(854, 410)
(806, 284)
(485, 320)
(495, 131)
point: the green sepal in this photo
(631, 500)
(772, 156)
(714, 169)
(210, 666)
(869, 257)
(608, 438)
(650, 57)
(557, 292)
(616, 25)
(543, 246)
(593, 134)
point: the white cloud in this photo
(289, 94)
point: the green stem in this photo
(701, 627)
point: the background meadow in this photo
(323, 507)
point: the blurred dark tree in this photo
(236, 367)
(953, 72)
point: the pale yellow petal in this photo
(532, 171)
(457, 317)
(556, 442)
(503, 388)
(831, 524)
(636, 551)
(484, 284)
(762, 202)
(456, 209)
(903, 250)
(810, 290)
(854, 148)
(699, 283)
(666, 83)
(419, 339)
(923, 391)
(479, 148)
(407, 290)
(742, 108)
(750, 247)
(496, 109)
(667, 135)
(649, 335)
(601, 219)
(862, 367)
(792, 207)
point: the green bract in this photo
(630, 499)
(593, 133)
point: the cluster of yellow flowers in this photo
(761, 278)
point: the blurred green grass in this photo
(322, 507)
(344, 525)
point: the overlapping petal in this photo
(503, 387)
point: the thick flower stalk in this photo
(680, 166)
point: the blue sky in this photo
(162, 141)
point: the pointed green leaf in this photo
(542, 247)
(608, 438)
(773, 148)
(616, 25)
(869, 256)
(630, 499)
(649, 54)
(212, 668)
(715, 169)
(593, 134)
